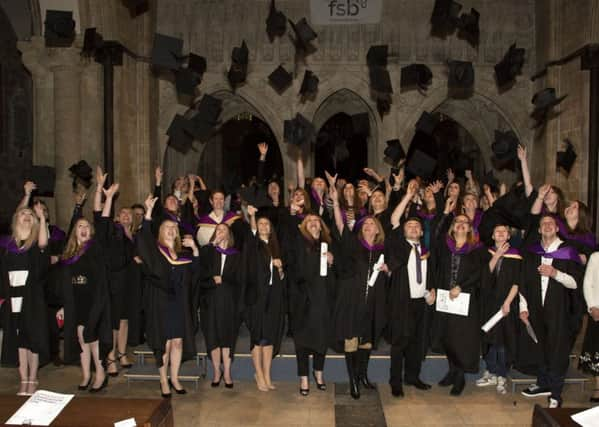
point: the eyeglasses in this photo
(462, 222)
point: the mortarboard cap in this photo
(197, 63)
(565, 159)
(59, 28)
(276, 22)
(255, 196)
(383, 104)
(137, 7)
(304, 34)
(468, 27)
(167, 52)
(280, 79)
(309, 84)
(377, 56)
(180, 135)
(186, 81)
(92, 40)
(361, 123)
(544, 101)
(505, 146)
(380, 80)
(461, 75)
(421, 164)
(427, 123)
(394, 151)
(416, 75)
(206, 118)
(490, 180)
(444, 18)
(299, 130)
(82, 173)
(44, 178)
(239, 65)
(510, 66)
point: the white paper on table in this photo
(16, 303)
(459, 305)
(375, 271)
(324, 248)
(17, 278)
(587, 418)
(492, 321)
(129, 422)
(40, 409)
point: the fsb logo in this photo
(346, 8)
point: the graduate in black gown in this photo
(360, 297)
(222, 289)
(410, 292)
(23, 265)
(458, 270)
(499, 289)
(551, 302)
(266, 302)
(589, 356)
(82, 285)
(310, 296)
(172, 277)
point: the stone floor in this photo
(246, 406)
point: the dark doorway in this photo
(231, 156)
(339, 149)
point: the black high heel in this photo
(319, 386)
(86, 386)
(217, 383)
(229, 385)
(104, 384)
(177, 390)
(120, 356)
(163, 394)
(111, 362)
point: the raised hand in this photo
(468, 174)
(158, 174)
(330, 179)
(263, 149)
(334, 194)
(252, 210)
(521, 153)
(29, 187)
(436, 186)
(543, 190)
(100, 177)
(149, 204)
(412, 188)
(111, 191)
(450, 176)
(450, 204)
(80, 198)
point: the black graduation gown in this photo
(266, 304)
(168, 296)
(92, 265)
(221, 305)
(459, 336)
(124, 277)
(495, 287)
(556, 322)
(359, 310)
(311, 297)
(31, 322)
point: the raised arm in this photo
(109, 194)
(28, 188)
(537, 206)
(334, 195)
(525, 171)
(262, 149)
(100, 180)
(402, 206)
(301, 176)
(42, 238)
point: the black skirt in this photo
(589, 356)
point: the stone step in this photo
(189, 372)
(573, 376)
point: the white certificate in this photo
(17, 278)
(324, 248)
(492, 321)
(16, 303)
(457, 306)
(588, 418)
(40, 409)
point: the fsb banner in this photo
(328, 12)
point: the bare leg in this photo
(266, 364)
(84, 356)
(176, 354)
(111, 358)
(215, 356)
(23, 371)
(163, 369)
(100, 374)
(259, 375)
(123, 335)
(227, 365)
(33, 360)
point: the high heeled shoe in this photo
(216, 383)
(104, 384)
(111, 362)
(163, 394)
(320, 386)
(229, 385)
(86, 386)
(177, 390)
(123, 365)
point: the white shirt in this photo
(590, 285)
(417, 290)
(565, 279)
(270, 262)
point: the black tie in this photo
(418, 264)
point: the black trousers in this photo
(302, 355)
(409, 351)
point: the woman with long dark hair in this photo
(265, 303)
(23, 265)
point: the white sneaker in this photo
(554, 403)
(486, 380)
(501, 385)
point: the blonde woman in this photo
(23, 264)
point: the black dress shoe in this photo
(86, 386)
(419, 384)
(177, 390)
(397, 391)
(319, 386)
(458, 385)
(216, 383)
(447, 379)
(104, 384)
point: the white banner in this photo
(330, 12)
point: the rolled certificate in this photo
(375, 271)
(324, 248)
(492, 321)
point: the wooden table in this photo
(558, 417)
(96, 412)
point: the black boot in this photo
(458, 384)
(350, 362)
(364, 357)
(448, 379)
